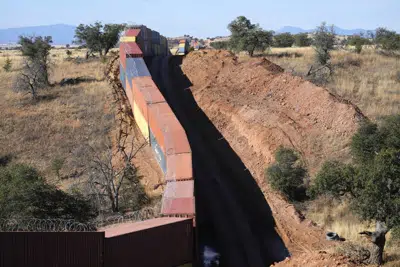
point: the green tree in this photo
(24, 193)
(220, 45)
(37, 51)
(373, 183)
(302, 40)
(286, 175)
(7, 65)
(387, 40)
(283, 40)
(98, 37)
(324, 41)
(249, 37)
(358, 41)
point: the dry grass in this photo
(337, 217)
(62, 124)
(369, 80)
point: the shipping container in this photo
(160, 116)
(155, 37)
(179, 167)
(158, 153)
(129, 94)
(177, 139)
(178, 206)
(179, 189)
(127, 39)
(132, 32)
(128, 50)
(122, 77)
(141, 121)
(135, 67)
(149, 89)
(158, 242)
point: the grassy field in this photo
(64, 124)
(369, 80)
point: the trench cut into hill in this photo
(257, 107)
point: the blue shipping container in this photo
(160, 157)
(136, 67)
(122, 76)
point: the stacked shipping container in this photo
(156, 120)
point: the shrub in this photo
(7, 65)
(287, 175)
(324, 41)
(302, 40)
(57, 165)
(283, 40)
(24, 193)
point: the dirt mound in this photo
(317, 259)
(257, 108)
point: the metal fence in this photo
(51, 249)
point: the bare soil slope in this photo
(257, 108)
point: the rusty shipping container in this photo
(50, 249)
(179, 167)
(160, 116)
(161, 242)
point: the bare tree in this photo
(113, 173)
(30, 79)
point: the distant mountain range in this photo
(339, 31)
(62, 34)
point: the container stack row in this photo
(183, 47)
(159, 125)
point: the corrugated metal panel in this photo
(122, 76)
(141, 121)
(131, 49)
(179, 167)
(126, 39)
(159, 154)
(129, 94)
(139, 99)
(180, 189)
(136, 67)
(49, 249)
(159, 245)
(122, 55)
(178, 206)
(160, 115)
(132, 32)
(177, 142)
(151, 93)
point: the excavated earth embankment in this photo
(257, 107)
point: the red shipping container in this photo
(132, 32)
(128, 50)
(179, 189)
(178, 206)
(179, 167)
(150, 90)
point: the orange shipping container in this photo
(179, 167)
(160, 117)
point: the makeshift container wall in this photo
(168, 244)
(129, 94)
(160, 116)
(155, 37)
(179, 167)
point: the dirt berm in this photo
(257, 107)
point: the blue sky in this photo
(205, 17)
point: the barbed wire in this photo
(136, 216)
(44, 225)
